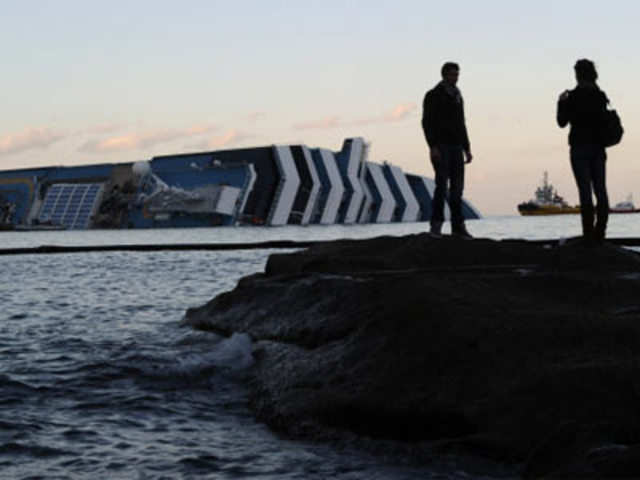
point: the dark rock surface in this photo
(524, 353)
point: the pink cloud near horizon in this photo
(254, 117)
(398, 113)
(29, 139)
(323, 123)
(100, 129)
(136, 141)
(230, 137)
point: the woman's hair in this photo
(585, 70)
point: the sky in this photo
(120, 81)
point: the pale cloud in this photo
(253, 117)
(400, 112)
(200, 129)
(396, 114)
(323, 123)
(230, 137)
(101, 129)
(136, 141)
(29, 139)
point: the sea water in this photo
(100, 380)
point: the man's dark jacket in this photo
(443, 117)
(584, 108)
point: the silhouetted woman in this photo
(584, 108)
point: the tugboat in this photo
(547, 201)
(625, 207)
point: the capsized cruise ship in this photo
(270, 185)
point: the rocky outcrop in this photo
(522, 352)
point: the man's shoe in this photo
(436, 230)
(461, 232)
(599, 234)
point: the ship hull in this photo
(550, 211)
(570, 210)
(616, 210)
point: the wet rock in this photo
(508, 349)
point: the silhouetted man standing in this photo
(446, 134)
